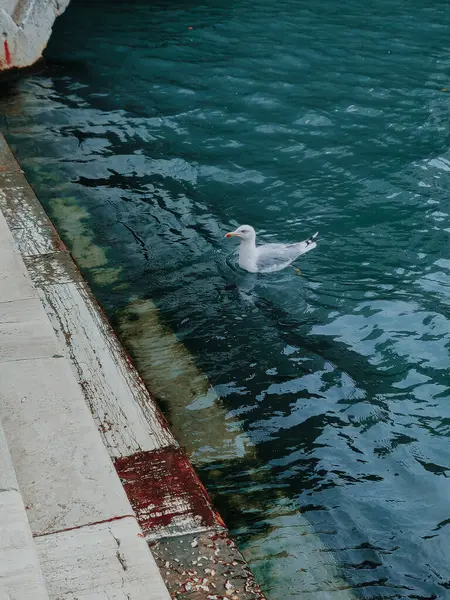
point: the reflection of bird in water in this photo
(268, 257)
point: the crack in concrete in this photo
(119, 555)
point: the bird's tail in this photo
(310, 243)
(312, 239)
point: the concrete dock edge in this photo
(58, 333)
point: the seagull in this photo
(268, 257)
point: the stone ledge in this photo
(104, 561)
(20, 573)
(64, 471)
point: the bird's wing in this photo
(274, 257)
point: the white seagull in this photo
(268, 257)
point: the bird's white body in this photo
(247, 255)
(267, 257)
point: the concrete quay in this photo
(97, 499)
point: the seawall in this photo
(25, 28)
(106, 502)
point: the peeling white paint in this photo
(119, 401)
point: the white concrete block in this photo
(65, 474)
(8, 480)
(14, 281)
(32, 337)
(109, 561)
(15, 312)
(20, 574)
(5, 235)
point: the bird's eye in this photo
(244, 230)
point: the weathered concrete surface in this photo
(8, 479)
(163, 488)
(20, 573)
(66, 477)
(126, 418)
(30, 337)
(67, 493)
(110, 561)
(25, 27)
(20, 209)
(14, 281)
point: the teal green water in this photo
(293, 117)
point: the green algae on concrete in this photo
(172, 376)
(73, 222)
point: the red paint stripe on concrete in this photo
(7, 53)
(86, 525)
(166, 493)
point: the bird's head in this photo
(245, 232)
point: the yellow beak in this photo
(231, 234)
